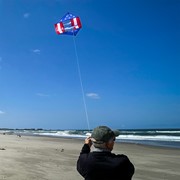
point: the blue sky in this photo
(128, 53)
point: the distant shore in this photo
(48, 158)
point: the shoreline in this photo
(154, 137)
(47, 158)
(137, 142)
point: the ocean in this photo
(154, 137)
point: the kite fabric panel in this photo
(69, 24)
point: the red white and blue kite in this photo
(69, 24)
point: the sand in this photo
(46, 158)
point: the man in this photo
(100, 163)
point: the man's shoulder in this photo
(110, 155)
(122, 156)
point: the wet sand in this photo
(46, 158)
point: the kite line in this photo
(80, 78)
(70, 24)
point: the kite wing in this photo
(69, 24)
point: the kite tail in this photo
(82, 89)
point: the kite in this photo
(69, 24)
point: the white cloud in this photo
(2, 112)
(26, 15)
(42, 95)
(93, 95)
(37, 51)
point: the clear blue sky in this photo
(129, 56)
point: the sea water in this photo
(155, 137)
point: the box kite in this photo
(69, 24)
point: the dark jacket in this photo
(104, 165)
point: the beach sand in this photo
(46, 158)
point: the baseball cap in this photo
(103, 134)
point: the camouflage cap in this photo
(103, 134)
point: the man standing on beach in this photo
(100, 163)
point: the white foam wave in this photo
(170, 132)
(123, 137)
(155, 138)
(60, 134)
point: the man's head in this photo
(103, 135)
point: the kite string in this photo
(80, 78)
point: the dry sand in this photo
(46, 158)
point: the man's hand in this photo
(88, 141)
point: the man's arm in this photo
(83, 155)
(87, 145)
